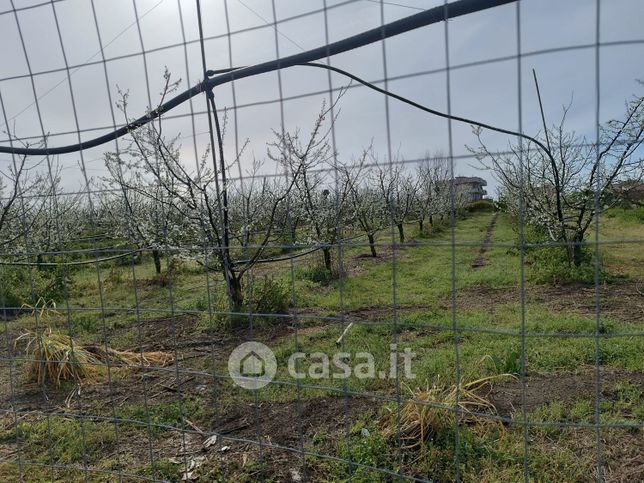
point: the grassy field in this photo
(456, 297)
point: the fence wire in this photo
(247, 240)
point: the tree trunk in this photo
(236, 293)
(577, 249)
(327, 258)
(372, 245)
(156, 256)
(401, 232)
(431, 220)
(420, 225)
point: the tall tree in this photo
(564, 186)
(322, 199)
(432, 195)
(365, 203)
(398, 190)
(198, 200)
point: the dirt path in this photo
(487, 241)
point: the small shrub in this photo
(481, 206)
(270, 296)
(431, 230)
(265, 297)
(550, 265)
(21, 285)
(316, 274)
(438, 227)
(58, 282)
(201, 304)
(14, 287)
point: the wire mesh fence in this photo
(332, 241)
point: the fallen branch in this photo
(194, 426)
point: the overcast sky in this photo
(415, 66)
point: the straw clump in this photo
(52, 358)
(432, 411)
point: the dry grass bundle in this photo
(42, 307)
(131, 358)
(430, 411)
(55, 357)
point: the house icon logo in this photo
(252, 365)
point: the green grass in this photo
(422, 273)
(63, 441)
(164, 416)
(489, 454)
(487, 314)
(623, 258)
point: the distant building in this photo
(471, 187)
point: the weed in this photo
(367, 448)
(509, 363)
(550, 265)
(162, 469)
(316, 274)
(164, 415)
(85, 323)
(628, 215)
(202, 304)
(43, 308)
(115, 277)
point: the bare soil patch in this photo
(284, 429)
(563, 387)
(622, 301)
(480, 260)
(362, 262)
